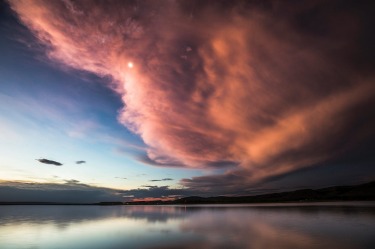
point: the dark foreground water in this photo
(330, 225)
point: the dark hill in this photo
(362, 192)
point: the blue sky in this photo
(50, 111)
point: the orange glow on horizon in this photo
(155, 199)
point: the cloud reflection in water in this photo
(157, 227)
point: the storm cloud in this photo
(269, 88)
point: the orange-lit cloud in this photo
(204, 84)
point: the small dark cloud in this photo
(46, 161)
(72, 181)
(222, 164)
(161, 180)
(121, 177)
(80, 162)
(149, 186)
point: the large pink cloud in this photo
(210, 83)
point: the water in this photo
(329, 225)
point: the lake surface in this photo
(319, 225)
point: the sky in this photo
(144, 100)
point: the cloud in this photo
(158, 192)
(71, 191)
(348, 169)
(72, 181)
(161, 180)
(80, 162)
(269, 88)
(46, 161)
(139, 175)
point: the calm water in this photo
(340, 225)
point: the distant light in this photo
(130, 65)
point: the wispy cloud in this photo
(161, 180)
